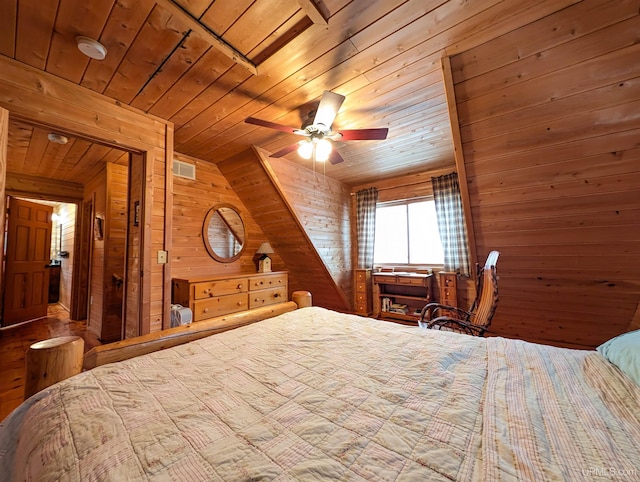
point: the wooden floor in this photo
(14, 342)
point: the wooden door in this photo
(28, 255)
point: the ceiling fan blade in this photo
(285, 151)
(335, 157)
(271, 125)
(363, 134)
(328, 108)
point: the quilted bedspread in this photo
(318, 395)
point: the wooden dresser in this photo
(362, 283)
(448, 282)
(210, 296)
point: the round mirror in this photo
(224, 233)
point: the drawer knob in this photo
(239, 286)
(206, 310)
(239, 303)
(276, 295)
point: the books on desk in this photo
(398, 308)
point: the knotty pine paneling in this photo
(132, 322)
(95, 190)
(257, 184)
(323, 209)
(549, 124)
(191, 202)
(43, 99)
(109, 192)
(114, 256)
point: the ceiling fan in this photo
(318, 133)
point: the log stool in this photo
(302, 298)
(50, 361)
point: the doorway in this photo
(51, 249)
(89, 245)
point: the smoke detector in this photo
(57, 138)
(91, 48)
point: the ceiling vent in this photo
(184, 169)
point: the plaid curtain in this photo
(453, 232)
(366, 201)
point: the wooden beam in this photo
(447, 78)
(43, 188)
(313, 12)
(141, 345)
(208, 35)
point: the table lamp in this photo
(264, 264)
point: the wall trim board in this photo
(4, 138)
(447, 79)
(42, 188)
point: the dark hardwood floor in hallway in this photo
(14, 342)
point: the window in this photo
(407, 233)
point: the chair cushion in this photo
(624, 352)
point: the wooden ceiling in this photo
(207, 65)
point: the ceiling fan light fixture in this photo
(323, 150)
(91, 48)
(305, 149)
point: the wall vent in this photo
(184, 169)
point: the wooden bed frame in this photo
(141, 345)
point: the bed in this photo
(318, 395)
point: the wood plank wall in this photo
(43, 99)
(549, 119)
(114, 255)
(256, 183)
(132, 323)
(95, 190)
(108, 189)
(323, 208)
(191, 202)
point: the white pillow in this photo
(624, 352)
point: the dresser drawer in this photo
(361, 298)
(267, 297)
(361, 276)
(208, 289)
(384, 279)
(411, 280)
(448, 294)
(361, 287)
(219, 305)
(268, 281)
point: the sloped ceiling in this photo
(207, 65)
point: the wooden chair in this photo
(475, 321)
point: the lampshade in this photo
(265, 248)
(323, 150)
(305, 149)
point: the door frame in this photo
(84, 113)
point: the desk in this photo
(407, 294)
